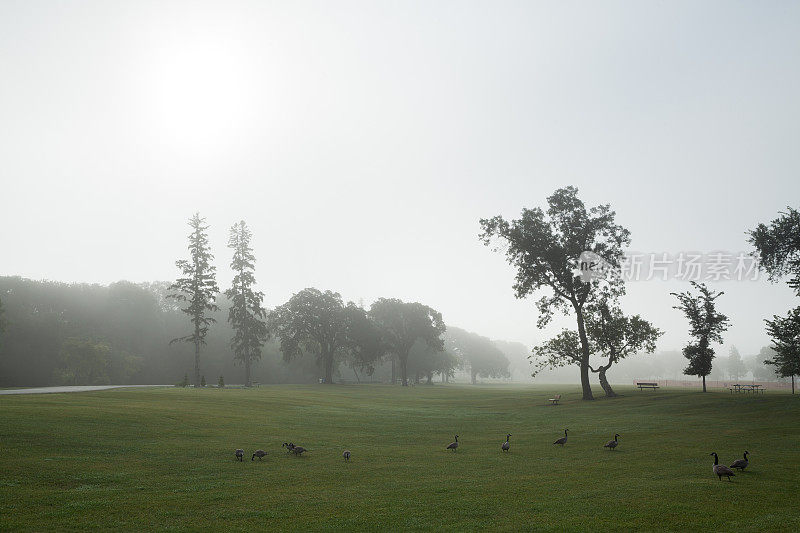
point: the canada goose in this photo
(346, 455)
(239, 453)
(612, 443)
(721, 470)
(289, 446)
(563, 440)
(741, 464)
(453, 445)
(259, 454)
(506, 445)
(298, 450)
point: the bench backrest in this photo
(557, 396)
(643, 383)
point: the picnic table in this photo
(755, 388)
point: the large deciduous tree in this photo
(197, 288)
(318, 322)
(402, 323)
(706, 325)
(545, 246)
(364, 344)
(785, 333)
(246, 315)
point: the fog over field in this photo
(362, 142)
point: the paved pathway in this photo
(77, 388)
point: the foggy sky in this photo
(363, 141)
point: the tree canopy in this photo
(318, 322)
(402, 324)
(778, 247)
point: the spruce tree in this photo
(198, 288)
(246, 315)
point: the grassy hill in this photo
(163, 459)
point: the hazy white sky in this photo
(362, 141)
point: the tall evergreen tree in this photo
(706, 325)
(198, 288)
(246, 315)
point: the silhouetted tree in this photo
(785, 333)
(198, 288)
(402, 323)
(318, 322)
(778, 247)
(364, 344)
(480, 353)
(246, 315)
(545, 247)
(706, 325)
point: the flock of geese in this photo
(719, 470)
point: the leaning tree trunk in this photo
(585, 384)
(605, 384)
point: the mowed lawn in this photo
(164, 459)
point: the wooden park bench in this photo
(554, 399)
(643, 385)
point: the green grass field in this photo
(163, 459)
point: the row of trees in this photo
(60, 333)
(544, 246)
(317, 322)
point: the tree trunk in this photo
(329, 369)
(474, 378)
(585, 384)
(605, 384)
(404, 370)
(792, 383)
(444, 377)
(356, 373)
(247, 381)
(430, 378)
(197, 363)
(704, 383)
(394, 370)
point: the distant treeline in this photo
(75, 333)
